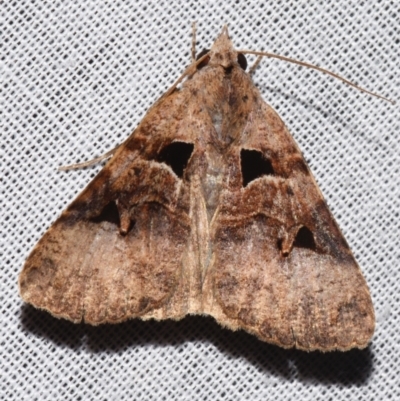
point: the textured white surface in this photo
(76, 78)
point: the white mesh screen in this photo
(76, 78)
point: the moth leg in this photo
(255, 65)
(97, 159)
(88, 163)
(193, 41)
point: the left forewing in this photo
(116, 252)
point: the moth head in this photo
(222, 53)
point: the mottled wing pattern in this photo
(282, 269)
(116, 252)
(208, 208)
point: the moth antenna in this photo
(189, 70)
(314, 67)
(193, 41)
(90, 162)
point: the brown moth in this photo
(207, 208)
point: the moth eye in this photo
(254, 165)
(242, 61)
(109, 213)
(205, 61)
(176, 155)
(304, 239)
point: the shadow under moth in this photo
(207, 208)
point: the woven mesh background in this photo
(76, 78)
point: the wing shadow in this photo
(346, 368)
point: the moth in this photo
(207, 208)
